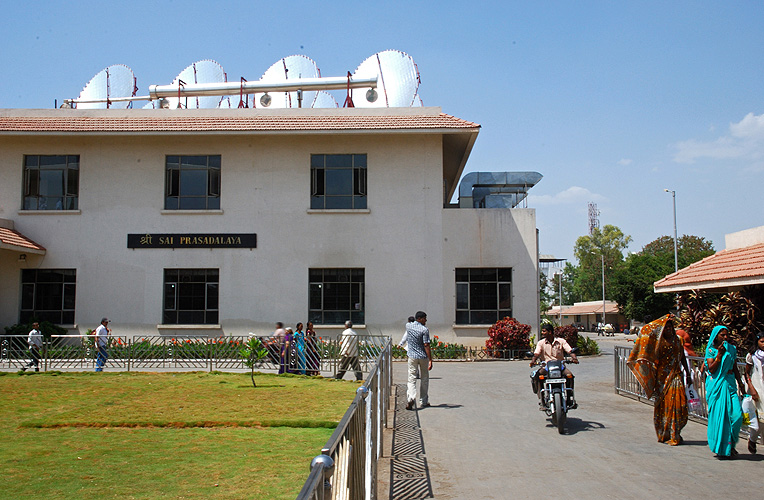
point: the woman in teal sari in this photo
(724, 413)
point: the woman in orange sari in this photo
(656, 361)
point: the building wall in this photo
(407, 242)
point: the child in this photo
(754, 378)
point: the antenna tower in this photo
(594, 214)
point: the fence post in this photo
(328, 469)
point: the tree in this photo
(606, 246)
(253, 352)
(689, 249)
(633, 284)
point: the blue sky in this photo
(611, 101)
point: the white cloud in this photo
(744, 141)
(572, 195)
(624, 162)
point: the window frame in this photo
(472, 305)
(331, 286)
(183, 286)
(34, 166)
(348, 191)
(176, 184)
(35, 288)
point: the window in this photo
(192, 183)
(51, 182)
(190, 297)
(48, 295)
(335, 296)
(337, 181)
(483, 295)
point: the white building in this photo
(226, 221)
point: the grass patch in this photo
(163, 435)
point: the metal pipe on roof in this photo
(234, 88)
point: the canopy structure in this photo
(12, 240)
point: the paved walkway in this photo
(484, 438)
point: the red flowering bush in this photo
(569, 333)
(507, 334)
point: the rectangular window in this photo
(483, 295)
(51, 182)
(48, 295)
(335, 296)
(192, 182)
(190, 297)
(338, 181)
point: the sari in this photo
(656, 361)
(299, 340)
(725, 416)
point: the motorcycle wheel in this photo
(559, 413)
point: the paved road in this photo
(484, 438)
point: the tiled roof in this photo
(68, 123)
(728, 268)
(13, 240)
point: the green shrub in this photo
(587, 346)
(46, 328)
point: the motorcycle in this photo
(553, 393)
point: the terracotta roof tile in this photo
(17, 241)
(728, 268)
(222, 123)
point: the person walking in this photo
(419, 359)
(754, 377)
(101, 342)
(660, 366)
(34, 341)
(725, 416)
(349, 352)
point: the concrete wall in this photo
(744, 238)
(408, 244)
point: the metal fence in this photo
(347, 466)
(466, 353)
(626, 383)
(77, 352)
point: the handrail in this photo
(354, 448)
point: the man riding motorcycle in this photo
(553, 348)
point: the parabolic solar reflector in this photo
(397, 80)
(116, 80)
(325, 100)
(289, 68)
(205, 71)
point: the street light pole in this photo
(561, 298)
(603, 289)
(676, 260)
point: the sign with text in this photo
(192, 240)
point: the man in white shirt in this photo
(101, 342)
(34, 341)
(349, 352)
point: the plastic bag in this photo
(749, 413)
(693, 401)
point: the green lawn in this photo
(163, 435)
